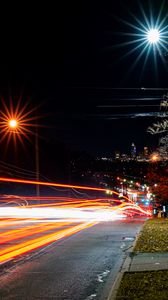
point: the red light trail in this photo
(16, 180)
(30, 225)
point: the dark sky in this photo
(94, 66)
(72, 59)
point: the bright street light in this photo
(155, 157)
(17, 123)
(153, 36)
(146, 36)
(13, 123)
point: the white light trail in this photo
(60, 214)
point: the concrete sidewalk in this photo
(137, 263)
(148, 262)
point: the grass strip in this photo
(153, 237)
(144, 285)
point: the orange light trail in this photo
(16, 180)
(28, 231)
(24, 247)
(33, 225)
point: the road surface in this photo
(80, 267)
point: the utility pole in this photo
(37, 161)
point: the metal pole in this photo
(37, 162)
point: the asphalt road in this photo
(80, 267)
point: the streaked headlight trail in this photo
(27, 227)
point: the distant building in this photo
(117, 155)
(124, 157)
(133, 151)
(106, 158)
(140, 157)
(146, 152)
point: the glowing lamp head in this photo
(155, 157)
(153, 36)
(13, 123)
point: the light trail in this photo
(25, 247)
(32, 225)
(28, 231)
(7, 222)
(88, 211)
(16, 180)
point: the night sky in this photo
(95, 67)
(72, 60)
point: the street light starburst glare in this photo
(153, 36)
(147, 35)
(17, 122)
(13, 123)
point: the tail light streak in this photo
(33, 225)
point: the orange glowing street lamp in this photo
(13, 123)
(17, 123)
(155, 157)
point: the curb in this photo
(125, 267)
(115, 286)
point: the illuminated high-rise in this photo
(133, 151)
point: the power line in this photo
(128, 105)
(119, 88)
